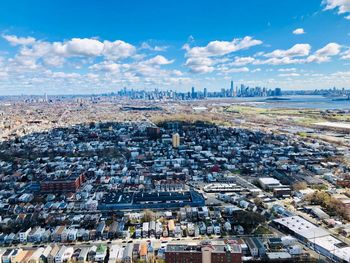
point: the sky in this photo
(91, 46)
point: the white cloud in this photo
(148, 71)
(299, 31)
(3, 74)
(324, 54)
(84, 47)
(294, 54)
(109, 64)
(346, 54)
(54, 61)
(147, 46)
(204, 59)
(159, 60)
(177, 73)
(278, 61)
(106, 66)
(242, 61)
(342, 74)
(297, 50)
(202, 69)
(200, 64)
(297, 54)
(317, 59)
(14, 40)
(118, 49)
(330, 49)
(38, 49)
(343, 6)
(287, 69)
(187, 47)
(65, 75)
(289, 74)
(24, 62)
(220, 48)
(237, 70)
(94, 48)
(160, 48)
(76, 47)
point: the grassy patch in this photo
(262, 230)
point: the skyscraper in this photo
(231, 89)
(222, 92)
(176, 140)
(242, 91)
(193, 94)
(205, 92)
(278, 92)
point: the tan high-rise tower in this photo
(176, 140)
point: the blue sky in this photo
(87, 46)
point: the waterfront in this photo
(296, 102)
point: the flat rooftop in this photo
(335, 246)
(269, 181)
(182, 248)
(234, 248)
(117, 198)
(150, 198)
(302, 227)
(162, 197)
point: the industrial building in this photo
(152, 200)
(315, 237)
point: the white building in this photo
(145, 231)
(268, 183)
(23, 235)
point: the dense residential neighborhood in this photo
(175, 187)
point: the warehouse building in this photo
(315, 237)
(154, 200)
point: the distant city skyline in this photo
(88, 47)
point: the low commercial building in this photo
(268, 183)
(282, 191)
(152, 200)
(300, 228)
(315, 237)
(278, 257)
(332, 248)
